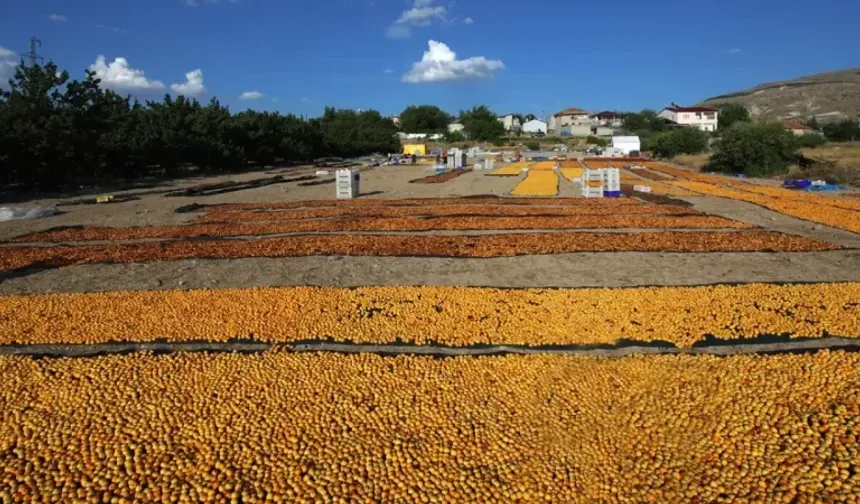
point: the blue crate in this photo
(797, 183)
(611, 194)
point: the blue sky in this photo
(515, 56)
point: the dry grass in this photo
(835, 162)
(695, 161)
(845, 155)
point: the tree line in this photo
(479, 123)
(56, 132)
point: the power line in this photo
(31, 54)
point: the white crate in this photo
(592, 192)
(611, 174)
(593, 175)
(642, 188)
(452, 159)
(348, 182)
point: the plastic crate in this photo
(611, 194)
(797, 183)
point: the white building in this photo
(704, 118)
(510, 121)
(608, 118)
(534, 126)
(572, 116)
(626, 144)
(455, 127)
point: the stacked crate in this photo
(611, 183)
(347, 182)
(592, 183)
(452, 158)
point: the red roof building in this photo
(800, 129)
(794, 125)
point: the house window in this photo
(685, 116)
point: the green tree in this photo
(596, 140)
(754, 149)
(678, 141)
(731, 113)
(481, 124)
(644, 122)
(530, 117)
(455, 136)
(348, 133)
(57, 132)
(424, 119)
(845, 131)
(811, 140)
(812, 122)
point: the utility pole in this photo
(31, 54)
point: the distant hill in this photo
(830, 96)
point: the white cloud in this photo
(398, 31)
(305, 99)
(8, 62)
(251, 95)
(119, 76)
(388, 71)
(274, 99)
(468, 20)
(421, 16)
(440, 64)
(422, 13)
(59, 18)
(113, 29)
(733, 51)
(193, 85)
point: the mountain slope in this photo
(830, 96)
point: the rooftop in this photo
(796, 125)
(571, 111)
(678, 108)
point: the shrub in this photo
(594, 140)
(811, 141)
(754, 149)
(679, 141)
(731, 113)
(845, 131)
(533, 145)
(455, 136)
(829, 172)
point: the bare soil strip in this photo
(234, 229)
(450, 211)
(18, 258)
(621, 350)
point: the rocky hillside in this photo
(830, 96)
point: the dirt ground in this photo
(565, 270)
